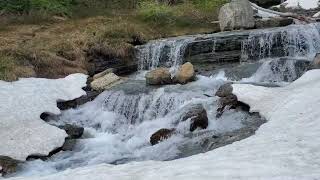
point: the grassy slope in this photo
(54, 48)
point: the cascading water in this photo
(294, 41)
(119, 122)
(163, 53)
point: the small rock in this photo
(105, 82)
(185, 74)
(266, 3)
(198, 116)
(161, 135)
(103, 73)
(224, 90)
(238, 14)
(160, 76)
(8, 165)
(74, 132)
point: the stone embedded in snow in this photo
(285, 147)
(304, 4)
(22, 132)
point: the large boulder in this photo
(161, 135)
(185, 74)
(8, 165)
(198, 117)
(105, 82)
(267, 3)
(160, 76)
(238, 14)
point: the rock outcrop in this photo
(161, 135)
(105, 82)
(238, 14)
(198, 117)
(185, 74)
(160, 76)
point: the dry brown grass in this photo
(54, 50)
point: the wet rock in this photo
(69, 145)
(238, 14)
(224, 90)
(185, 74)
(160, 76)
(8, 165)
(266, 3)
(316, 62)
(161, 135)
(198, 116)
(73, 131)
(105, 82)
(91, 95)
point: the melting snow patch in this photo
(22, 132)
(286, 147)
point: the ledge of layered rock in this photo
(22, 132)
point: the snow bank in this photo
(304, 4)
(22, 132)
(286, 147)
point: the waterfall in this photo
(292, 41)
(164, 53)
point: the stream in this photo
(119, 122)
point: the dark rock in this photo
(73, 131)
(101, 58)
(224, 90)
(69, 145)
(90, 96)
(273, 22)
(315, 63)
(266, 3)
(8, 165)
(198, 116)
(161, 135)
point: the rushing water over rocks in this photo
(119, 122)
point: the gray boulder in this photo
(238, 14)
(73, 131)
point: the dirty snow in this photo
(22, 132)
(285, 147)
